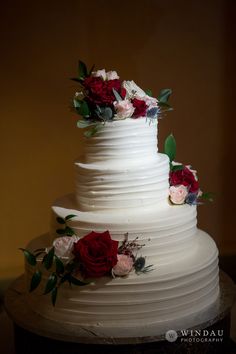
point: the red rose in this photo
(99, 91)
(140, 108)
(97, 254)
(186, 178)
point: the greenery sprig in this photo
(52, 265)
(67, 230)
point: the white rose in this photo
(100, 73)
(64, 246)
(133, 90)
(124, 109)
(112, 75)
(178, 194)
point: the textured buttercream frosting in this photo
(122, 186)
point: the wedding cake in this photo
(124, 256)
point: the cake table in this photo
(35, 334)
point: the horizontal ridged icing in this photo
(122, 186)
(129, 139)
(100, 186)
(181, 287)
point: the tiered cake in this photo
(122, 185)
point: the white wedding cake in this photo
(167, 270)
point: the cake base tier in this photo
(171, 294)
(31, 325)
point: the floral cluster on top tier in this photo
(184, 184)
(103, 96)
(77, 260)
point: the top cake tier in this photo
(130, 140)
(121, 167)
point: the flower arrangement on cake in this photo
(103, 97)
(78, 260)
(184, 184)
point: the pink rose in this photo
(178, 194)
(64, 246)
(112, 75)
(123, 266)
(100, 73)
(124, 109)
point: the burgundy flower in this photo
(186, 178)
(100, 92)
(140, 108)
(97, 254)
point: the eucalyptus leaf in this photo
(117, 95)
(54, 296)
(51, 283)
(170, 147)
(31, 259)
(60, 231)
(82, 70)
(59, 265)
(91, 132)
(48, 259)
(35, 280)
(84, 123)
(60, 220)
(70, 216)
(164, 95)
(78, 282)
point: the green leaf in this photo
(91, 70)
(208, 196)
(117, 95)
(35, 280)
(77, 103)
(60, 231)
(54, 296)
(82, 70)
(170, 147)
(165, 106)
(48, 259)
(84, 123)
(176, 168)
(91, 132)
(51, 283)
(84, 110)
(59, 265)
(164, 95)
(148, 92)
(31, 259)
(69, 231)
(60, 220)
(70, 216)
(77, 281)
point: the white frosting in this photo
(122, 186)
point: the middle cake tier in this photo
(123, 185)
(166, 230)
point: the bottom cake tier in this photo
(171, 296)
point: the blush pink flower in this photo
(124, 109)
(112, 75)
(178, 194)
(123, 266)
(64, 246)
(100, 73)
